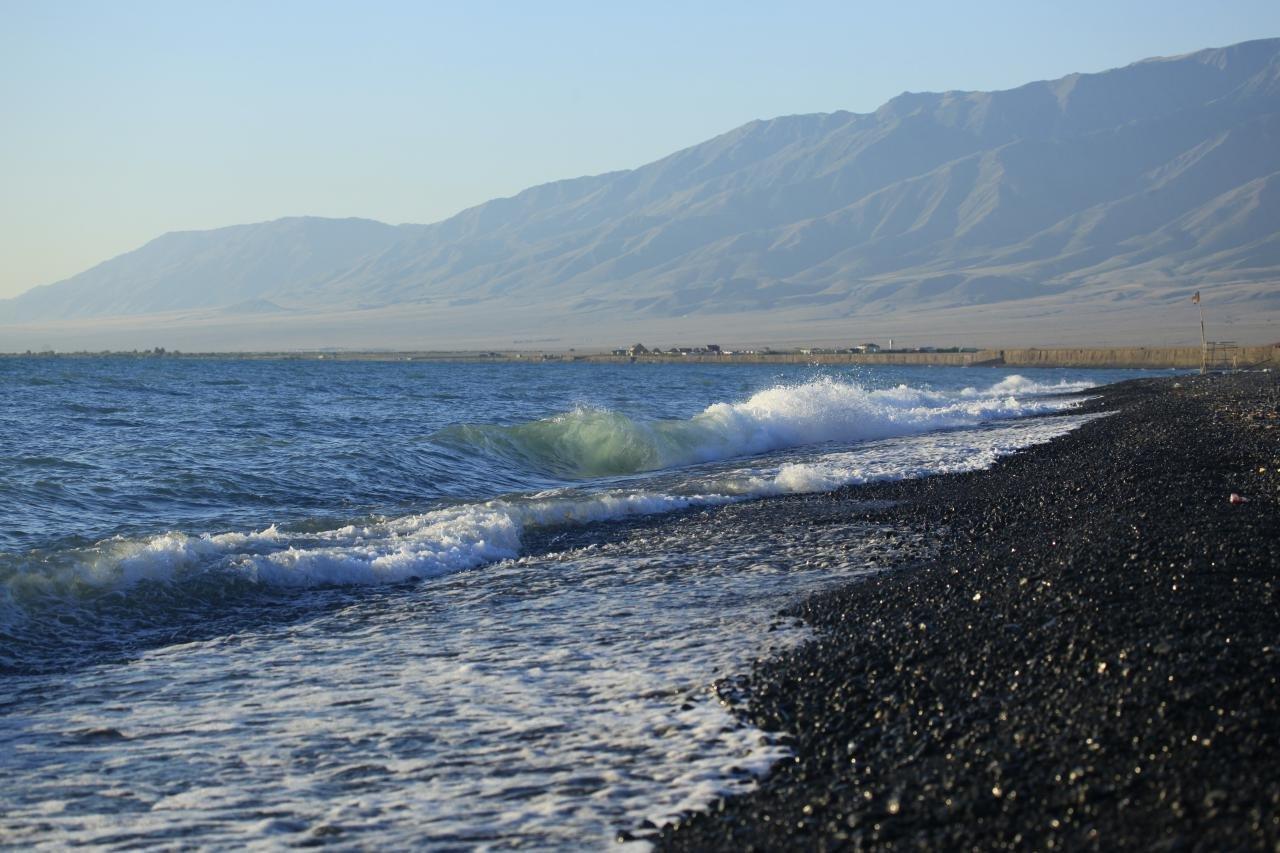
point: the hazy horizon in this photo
(132, 122)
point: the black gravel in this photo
(1089, 661)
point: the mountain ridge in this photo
(1132, 186)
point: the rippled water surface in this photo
(404, 603)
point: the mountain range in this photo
(1066, 210)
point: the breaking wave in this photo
(590, 442)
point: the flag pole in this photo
(1204, 346)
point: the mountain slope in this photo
(205, 269)
(1132, 186)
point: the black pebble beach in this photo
(1089, 659)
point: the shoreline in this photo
(1151, 358)
(1090, 660)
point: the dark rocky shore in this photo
(1091, 659)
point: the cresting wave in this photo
(588, 442)
(465, 536)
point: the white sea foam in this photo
(558, 701)
(1021, 385)
(943, 453)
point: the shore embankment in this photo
(1095, 357)
(1154, 358)
(1090, 658)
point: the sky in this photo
(120, 121)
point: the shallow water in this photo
(253, 602)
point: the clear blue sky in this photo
(123, 120)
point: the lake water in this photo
(443, 605)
